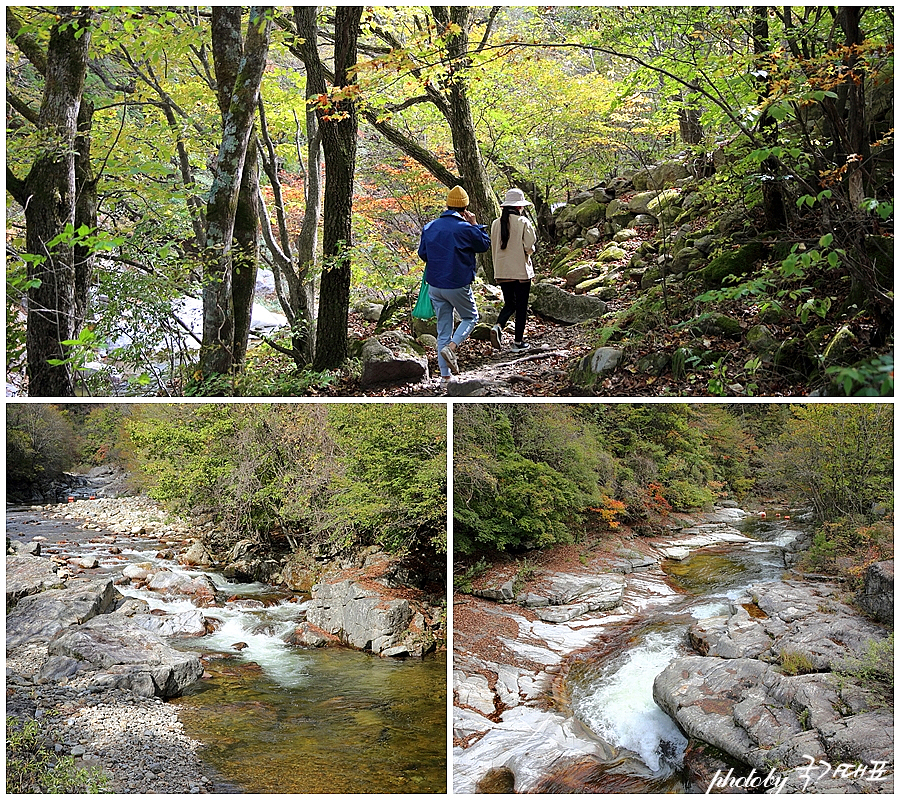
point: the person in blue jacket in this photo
(448, 248)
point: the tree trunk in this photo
(48, 195)
(304, 339)
(689, 123)
(773, 197)
(217, 354)
(338, 124)
(85, 209)
(227, 51)
(469, 163)
(857, 137)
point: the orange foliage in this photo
(610, 510)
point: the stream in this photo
(611, 687)
(274, 718)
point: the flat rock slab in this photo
(572, 596)
(527, 741)
(126, 656)
(27, 575)
(41, 616)
(184, 623)
(698, 537)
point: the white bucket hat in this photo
(515, 198)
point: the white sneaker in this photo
(496, 337)
(521, 346)
(449, 355)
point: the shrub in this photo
(464, 583)
(684, 495)
(33, 767)
(795, 663)
(875, 668)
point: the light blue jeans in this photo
(444, 302)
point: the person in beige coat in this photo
(512, 243)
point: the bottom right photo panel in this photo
(673, 598)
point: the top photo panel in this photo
(449, 201)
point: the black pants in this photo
(515, 301)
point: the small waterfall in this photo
(619, 705)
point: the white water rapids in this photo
(619, 707)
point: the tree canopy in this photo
(535, 475)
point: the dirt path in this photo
(541, 371)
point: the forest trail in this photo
(541, 371)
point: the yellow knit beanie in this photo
(457, 198)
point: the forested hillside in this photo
(287, 477)
(227, 201)
(535, 476)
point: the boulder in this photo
(139, 572)
(28, 575)
(390, 358)
(626, 235)
(877, 594)
(667, 174)
(40, 617)
(360, 617)
(25, 548)
(560, 306)
(611, 253)
(714, 324)
(760, 339)
(578, 274)
(639, 202)
(664, 200)
(196, 555)
(306, 635)
(182, 624)
(200, 589)
(127, 657)
(589, 213)
(602, 360)
(733, 263)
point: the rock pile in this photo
(763, 691)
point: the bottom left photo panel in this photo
(226, 598)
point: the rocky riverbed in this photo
(523, 721)
(104, 598)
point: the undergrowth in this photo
(32, 766)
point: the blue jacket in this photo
(448, 248)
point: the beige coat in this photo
(514, 263)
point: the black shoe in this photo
(521, 345)
(496, 337)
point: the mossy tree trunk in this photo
(48, 196)
(218, 354)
